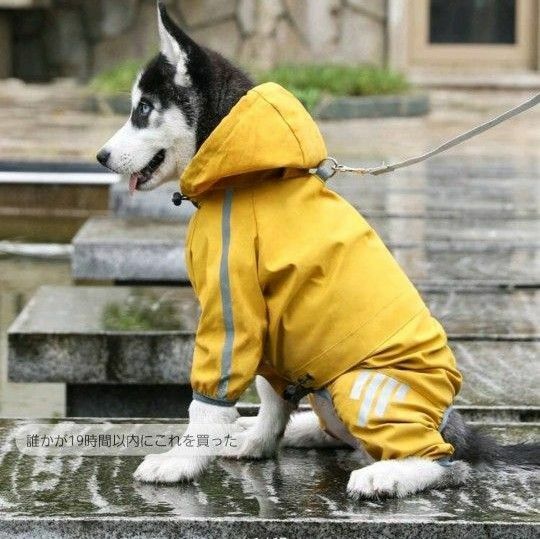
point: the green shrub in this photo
(118, 79)
(310, 82)
(141, 312)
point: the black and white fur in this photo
(178, 99)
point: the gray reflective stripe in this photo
(209, 400)
(226, 302)
(368, 399)
(384, 397)
(401, 392)
(445, 417)
(359, 384)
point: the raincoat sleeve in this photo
(221, 257)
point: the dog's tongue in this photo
(133, 179)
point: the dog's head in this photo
(177, 101)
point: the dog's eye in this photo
(144, 108)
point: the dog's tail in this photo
(472, 446)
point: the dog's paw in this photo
(245, 422)
(170, 468)
(254, 445)
(395, 478)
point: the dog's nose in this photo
(103, 157)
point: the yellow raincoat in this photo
(293, 283)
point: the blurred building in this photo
(430, 39)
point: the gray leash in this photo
(330, 166)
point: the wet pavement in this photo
(298, 495)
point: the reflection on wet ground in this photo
(298, 484)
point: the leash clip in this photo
(327, 168)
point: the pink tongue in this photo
(133, 182)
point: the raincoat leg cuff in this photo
(211, 400)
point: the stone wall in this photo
(80, 37)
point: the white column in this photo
(398, 43)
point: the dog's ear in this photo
(179, 49)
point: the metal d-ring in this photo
(326, 168)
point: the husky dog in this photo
(177, 101)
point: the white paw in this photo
(255, 445)
(304, 431)
(245, 422)
(394, 478)
(171, 468)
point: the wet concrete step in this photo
(257, 499)
(430, 250)
(444, 232)
(455, 197)
(123, 335)
(397, 195)
(457, 167)
(49, 202)
(126, 250)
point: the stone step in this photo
(155, 204)
(457, 167)
(496, 252)
(258, 499)
(129, 250)
(123, 335)
(399, 195)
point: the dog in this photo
(187, 105)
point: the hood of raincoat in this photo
(268, 130)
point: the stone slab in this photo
(426, 193)
(123, 249)
(450, 234)
(99, 335)
(454, 185)
(467, 266)
(345, 108)
(155, 204)
(457, 166)
(421, 194)
(466, 314)
(253, 499)
(492, 252)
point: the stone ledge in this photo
(108, 248)
(378, 106)
(118, 249)
(238, 526)
(253, 499)
(76, 345)
(331, 108)
(155, 204)
(524, 80)
(437, 190)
